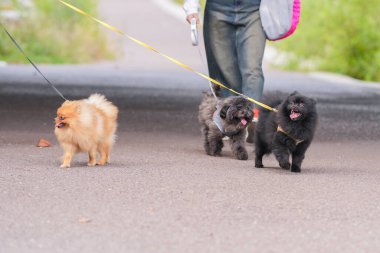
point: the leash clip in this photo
(194, 32)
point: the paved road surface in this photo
(161, 193)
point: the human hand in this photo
(191, 16)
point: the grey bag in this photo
(279, 17)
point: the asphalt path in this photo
(161, 192)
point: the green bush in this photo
(53, 33)
(338, 36)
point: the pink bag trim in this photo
(295, 19)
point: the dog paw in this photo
(259, 165)
(65, 166)
(101, 163)
(295, 169)
(284, 165)
(242, 156)
(214, 153)
(91, 164)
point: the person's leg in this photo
(251, 42)
(220, 43)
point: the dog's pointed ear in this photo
(223, 111)
(294, 93)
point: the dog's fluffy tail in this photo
(104, 105)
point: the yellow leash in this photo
(167, 57)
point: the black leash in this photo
(31, 62)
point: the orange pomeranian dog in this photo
(86, 125)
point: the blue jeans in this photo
(235, 44)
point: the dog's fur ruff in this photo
(235, 113)
(297, 116)
(86, 125)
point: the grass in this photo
(52, 33)
(339, 36)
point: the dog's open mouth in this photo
(60, 125)
(294, 115)
(243, 121)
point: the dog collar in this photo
(297, 141)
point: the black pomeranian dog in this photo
(290, 131)
(229, 117)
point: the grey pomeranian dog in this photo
(290, 131)
(225, 117)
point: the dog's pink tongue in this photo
(294, 115)
(244, 121)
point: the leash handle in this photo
(194, 32)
